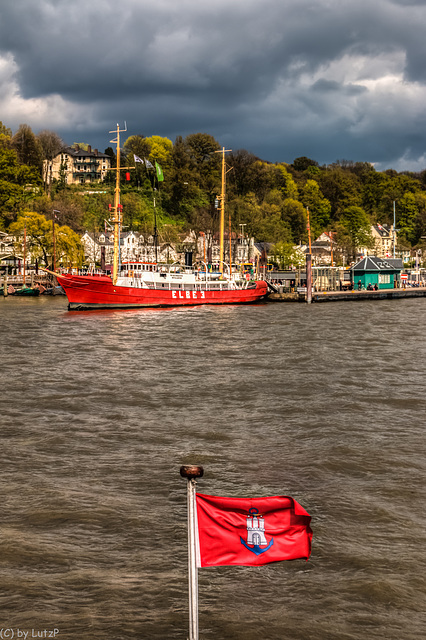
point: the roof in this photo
(81, 153)
(396, 262)
(263, 246)
(371, 263)
(382, 230)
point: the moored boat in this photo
(161, 287)
(23, 291)
(27, 291)
(154, 285)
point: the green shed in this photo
(383, 272)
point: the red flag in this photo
(251, 531)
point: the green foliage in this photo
(295, 215)
(289, 187)
(354, 230)
(408, 211)
(303, 163)
(136, 145)
(287, 256)
(39, 240)
(5, 136)
(5, 131)
(319, 207)
(84, 146)
(69, 249)
(16, 182)
(28, 148)
(270, 199)
(342, 188)
(160, 150)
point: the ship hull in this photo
(98, 292)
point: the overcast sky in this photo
(327, 79)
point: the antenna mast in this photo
(116, 210)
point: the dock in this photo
(343, 296)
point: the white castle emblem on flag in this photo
(256, 530)
(256, 533)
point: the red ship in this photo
(141, 284)
(162, 287)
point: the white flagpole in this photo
(190, 472)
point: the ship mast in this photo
(222, 209)
(116, 215)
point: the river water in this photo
(324, 402)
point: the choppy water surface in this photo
(100, 409)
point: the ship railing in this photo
(197, 286)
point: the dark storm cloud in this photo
(282, 78)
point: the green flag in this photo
(159, 170)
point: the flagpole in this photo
(191, 472)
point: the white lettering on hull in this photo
(189, 295)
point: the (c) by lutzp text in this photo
(7, 633)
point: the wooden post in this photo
(5, 283)
(308, 278)
(191, 472)
(25, 247)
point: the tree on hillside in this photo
(160, 150)
(69, 249)
(396, 187)
(193, 183)
(288, 186)
(319, 207)
(303, 163)
(138, 213)
(419, 223)
(258, 178)
(354, 230)
(287, 256)
(183, 181)
(39, 243)
(18, 184)
(241, 181)
(39, 236)
(71, 206)
(205, 163)
(51, 144)
(27, 147)
(408, 211)
(5, 135)
(138, 145)
(341, 188)
(294, 213)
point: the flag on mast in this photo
(148, 164)
(251, 531)
(137, 159)
(159, 170)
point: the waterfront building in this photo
(373, 270)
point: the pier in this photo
(340, 296)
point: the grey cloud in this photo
(274, 77)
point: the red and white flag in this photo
(251, 531)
